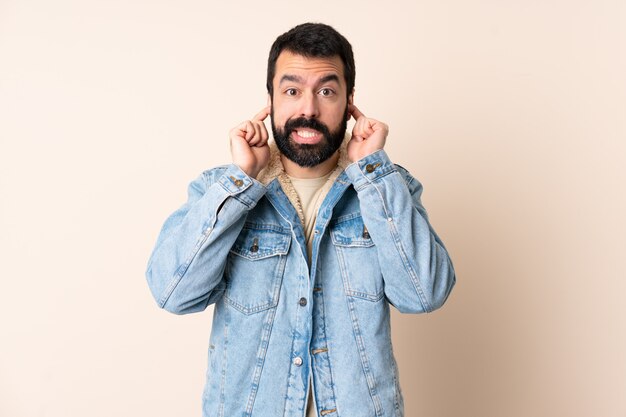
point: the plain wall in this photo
(511, 113)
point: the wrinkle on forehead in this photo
(290, 63)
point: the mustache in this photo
(300, 122)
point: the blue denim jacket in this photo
(240, 244)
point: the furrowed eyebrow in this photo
(299, 80)
(292, 78)
(327, 78)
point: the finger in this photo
(355, 112)
(237, 144)
(264, 134)
(376, 126)
(361, 127)
(356, 131)
(239, 130)
(249, 130)
(260, 116)
(369, 127)
(257, 134)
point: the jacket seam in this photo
(371, 382)
(293, 341)
(401, 251)
(182, 270)
(356, 331)
(327, 352)
(224, 366)
(407, 266)
(261, 354)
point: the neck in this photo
(294, 170)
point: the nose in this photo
(308, 106)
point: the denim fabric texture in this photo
(240, 245)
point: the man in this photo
(302, 246)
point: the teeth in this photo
(306, 134)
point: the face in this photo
(309, 107)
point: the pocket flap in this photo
(351, 232)
(260, 242)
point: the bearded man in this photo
(302, 244)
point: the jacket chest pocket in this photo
(255, 268)
(358, 258)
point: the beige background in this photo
(511, 113)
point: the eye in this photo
(291, 92)
(326, 92)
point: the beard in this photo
(304, 154)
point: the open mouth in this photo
(306, 136)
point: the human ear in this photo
(350, 102)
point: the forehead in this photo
(309, 68)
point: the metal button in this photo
(297, 361)
(236, 181)
(255, 245)
(302, 301)
(370, 168)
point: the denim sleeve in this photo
(188, 260)
(417, 271)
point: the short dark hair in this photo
(313, 40)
